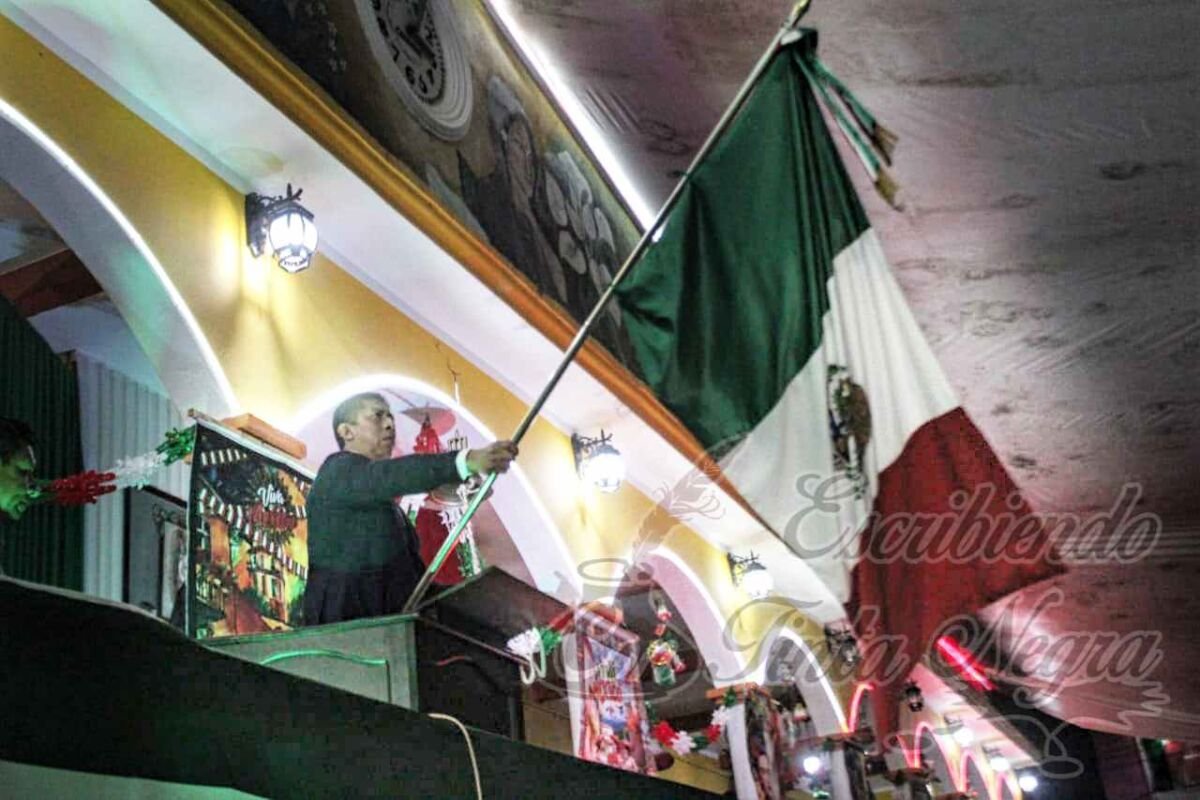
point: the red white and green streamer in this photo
(89, 486)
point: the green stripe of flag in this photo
(725, 309)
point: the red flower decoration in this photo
(663, 732)
(712, 732)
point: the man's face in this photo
(16, 480)
(373, 433)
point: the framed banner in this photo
(248, 536)
(155, 549)
(612, 722)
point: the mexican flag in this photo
(767, 319)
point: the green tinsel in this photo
(177, 444)
(550, 639)
(470, 562)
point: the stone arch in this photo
(93, 226)
(537, 539)
(810, 677)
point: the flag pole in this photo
(585, 329)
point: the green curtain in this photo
(37, 387)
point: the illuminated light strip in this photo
(26, 126)
(913, 757)
(962, 771)
(368, 383)
(856, 704)
(937, 742)
(970, 670)
(575, 113)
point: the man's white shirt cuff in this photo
(460, 463)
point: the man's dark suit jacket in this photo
(354, 528)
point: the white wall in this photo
(119, 418)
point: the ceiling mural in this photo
(436, 84)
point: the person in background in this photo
(363, 553)
(17, 463)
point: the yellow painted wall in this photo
(284, 339)
(699, 771)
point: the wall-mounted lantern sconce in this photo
(912, 693)
(840, 642)
(749, 573)
(283, 226)
(597, 462)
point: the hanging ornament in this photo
(664, 616)
(664, 660)
(427, 439)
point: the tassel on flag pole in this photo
(884, 141)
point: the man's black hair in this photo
(348, 409)
(15, 437)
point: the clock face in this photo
(414, 45)
(420, 52)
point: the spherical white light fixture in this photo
(1028, 782)
(283, 226)
(812, 765)
(964, 736)
(999, 763)
(757, 581)
(598, 463)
